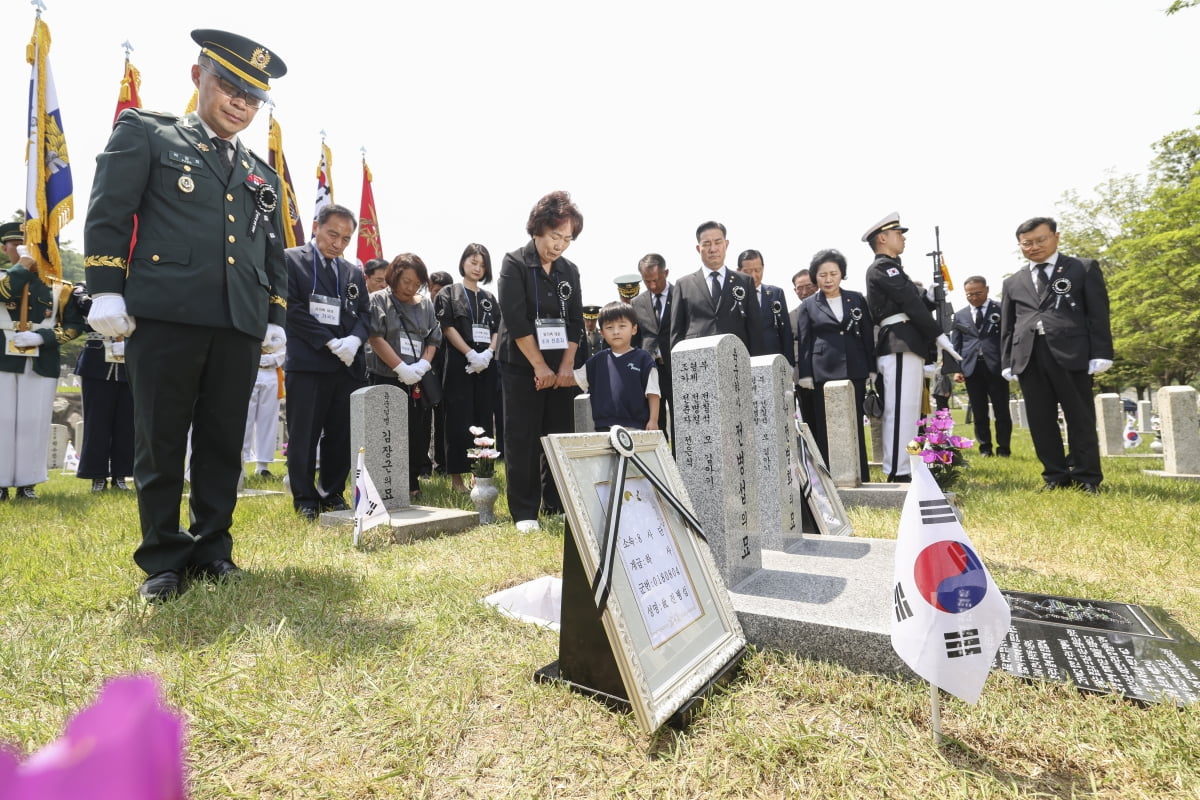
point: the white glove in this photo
(930, 294)
(931, 369)
(806, 383)
(422, 367)
(943, 344)
(27, 339)
(108, 316)
(1098, 365)
(486, 355)
(407, 373)
(475, 362)
(23, 252)
(1007, 374)
(274, 341)
(266, 361)
(345, 349)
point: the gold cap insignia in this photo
(260, 58)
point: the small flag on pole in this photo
(131, 83)
(949, 616)
(368, 506)
(49, 203)
(324, 178)
(369, 244)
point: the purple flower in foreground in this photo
(961, 443)
(929, 456)
(125, 745)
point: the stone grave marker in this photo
(584, 423)
(1181, 436)
(1145, 411)
(57, 450)
(1110, 424)
(379, 424)
(780, 501)
(844, 427)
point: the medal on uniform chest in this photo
(186, 184)
(739, 294)
(1062, 288)
(266, 199)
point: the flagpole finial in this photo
(322, 136)
(363, 150)
(128, 48)
(39, 5)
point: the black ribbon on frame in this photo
(622, 442)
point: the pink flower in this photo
(946, 456)
(929, 456)
(962, 443)
(124, 745)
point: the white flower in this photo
(476, 430)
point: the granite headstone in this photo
(843, 425)
(780, 501)
(584, 421)
(1180, 433)
(1110, 424)
(379, 424)
(57, 450)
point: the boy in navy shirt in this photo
(622, 379)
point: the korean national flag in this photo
(949, 618)
(368, 505)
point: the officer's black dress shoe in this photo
(162, 586)
(266, 473)
(1089, 488)
(985, 453)
(334, 503)
(308, 513)
(25, 493)
(1004, 453)
(1051, 486)
(120, 485)
(99, 484)
(220, 570)
(899, 478)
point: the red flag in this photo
(293, 228)
(128, 96)
(369, 244)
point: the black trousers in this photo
(318, 410)
(820, 427)
(107, 447)
(186, 376)
(529, 415)
(469, 400)
(1046, 386)
(983, 386)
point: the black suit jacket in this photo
(777, 332)
(974, 343)
(656, 336)
(833, 350)
(1074, 314)
(890, 291)
(737, 312)
(306, 338)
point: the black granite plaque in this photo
(1101, 646)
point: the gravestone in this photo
(843, 427)
(379, 424)
(779, 513)
(584, 422)
(1014, 411)
(78, 434)
(1145, 411)
(1181, 437)
(714, 432)
(57, 450)
(1110, 424)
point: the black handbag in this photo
(431, 389)
(872, 402)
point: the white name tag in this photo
(407, 348)
(326, 310)
(114, 352)
(551, 334)
(481, 334)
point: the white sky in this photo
(796, 124)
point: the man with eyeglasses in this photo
(1054, 336)
(976, 336)
(184, 259)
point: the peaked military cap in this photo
(12, 232)
(591, 312)
(240, 61)
(628, 286)
(889, 223)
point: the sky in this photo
(797, 125)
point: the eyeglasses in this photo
(976, 294)
(234, 93)
(1028, 243)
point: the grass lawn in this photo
(335, 673)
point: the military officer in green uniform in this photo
(36, 319)
(199, 295)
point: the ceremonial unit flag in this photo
(369, 244)
(128, 97)
(368, 506)
(949, 617)
(945, 274)
(49, 203)
(293, 228)
(324, 180)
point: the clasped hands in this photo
(477, 362)
(545, 378)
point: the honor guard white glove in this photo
(1098, 365)
(346, 348)
(1007, 374)
(407, 373)
(266, 361)
(27, 339)
(931, 369)
(108, 316)
(806, 383)
(422, 367)
(943, 344)
(274, 341)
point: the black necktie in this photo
(658, 307)
(716, 289)
(979, 318)
(1043, 282)
(225, 151)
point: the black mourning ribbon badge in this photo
(266, 200)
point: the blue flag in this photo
(49, 204)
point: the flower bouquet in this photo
(483, 454)
(940, 449)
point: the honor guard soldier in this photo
(628, 287)
(199, 296)
(592, 342)
(36, 319)
(908, 335)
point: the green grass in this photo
(335, 673)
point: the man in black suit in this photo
(803, 286)
(777, 333)
(327, 320)
(976, 336)
(204, 287)
(654, 307)
(1054, 336)
(715, 299)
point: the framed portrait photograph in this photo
(666, 613)
(817, 486)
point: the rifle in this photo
(944, 314)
